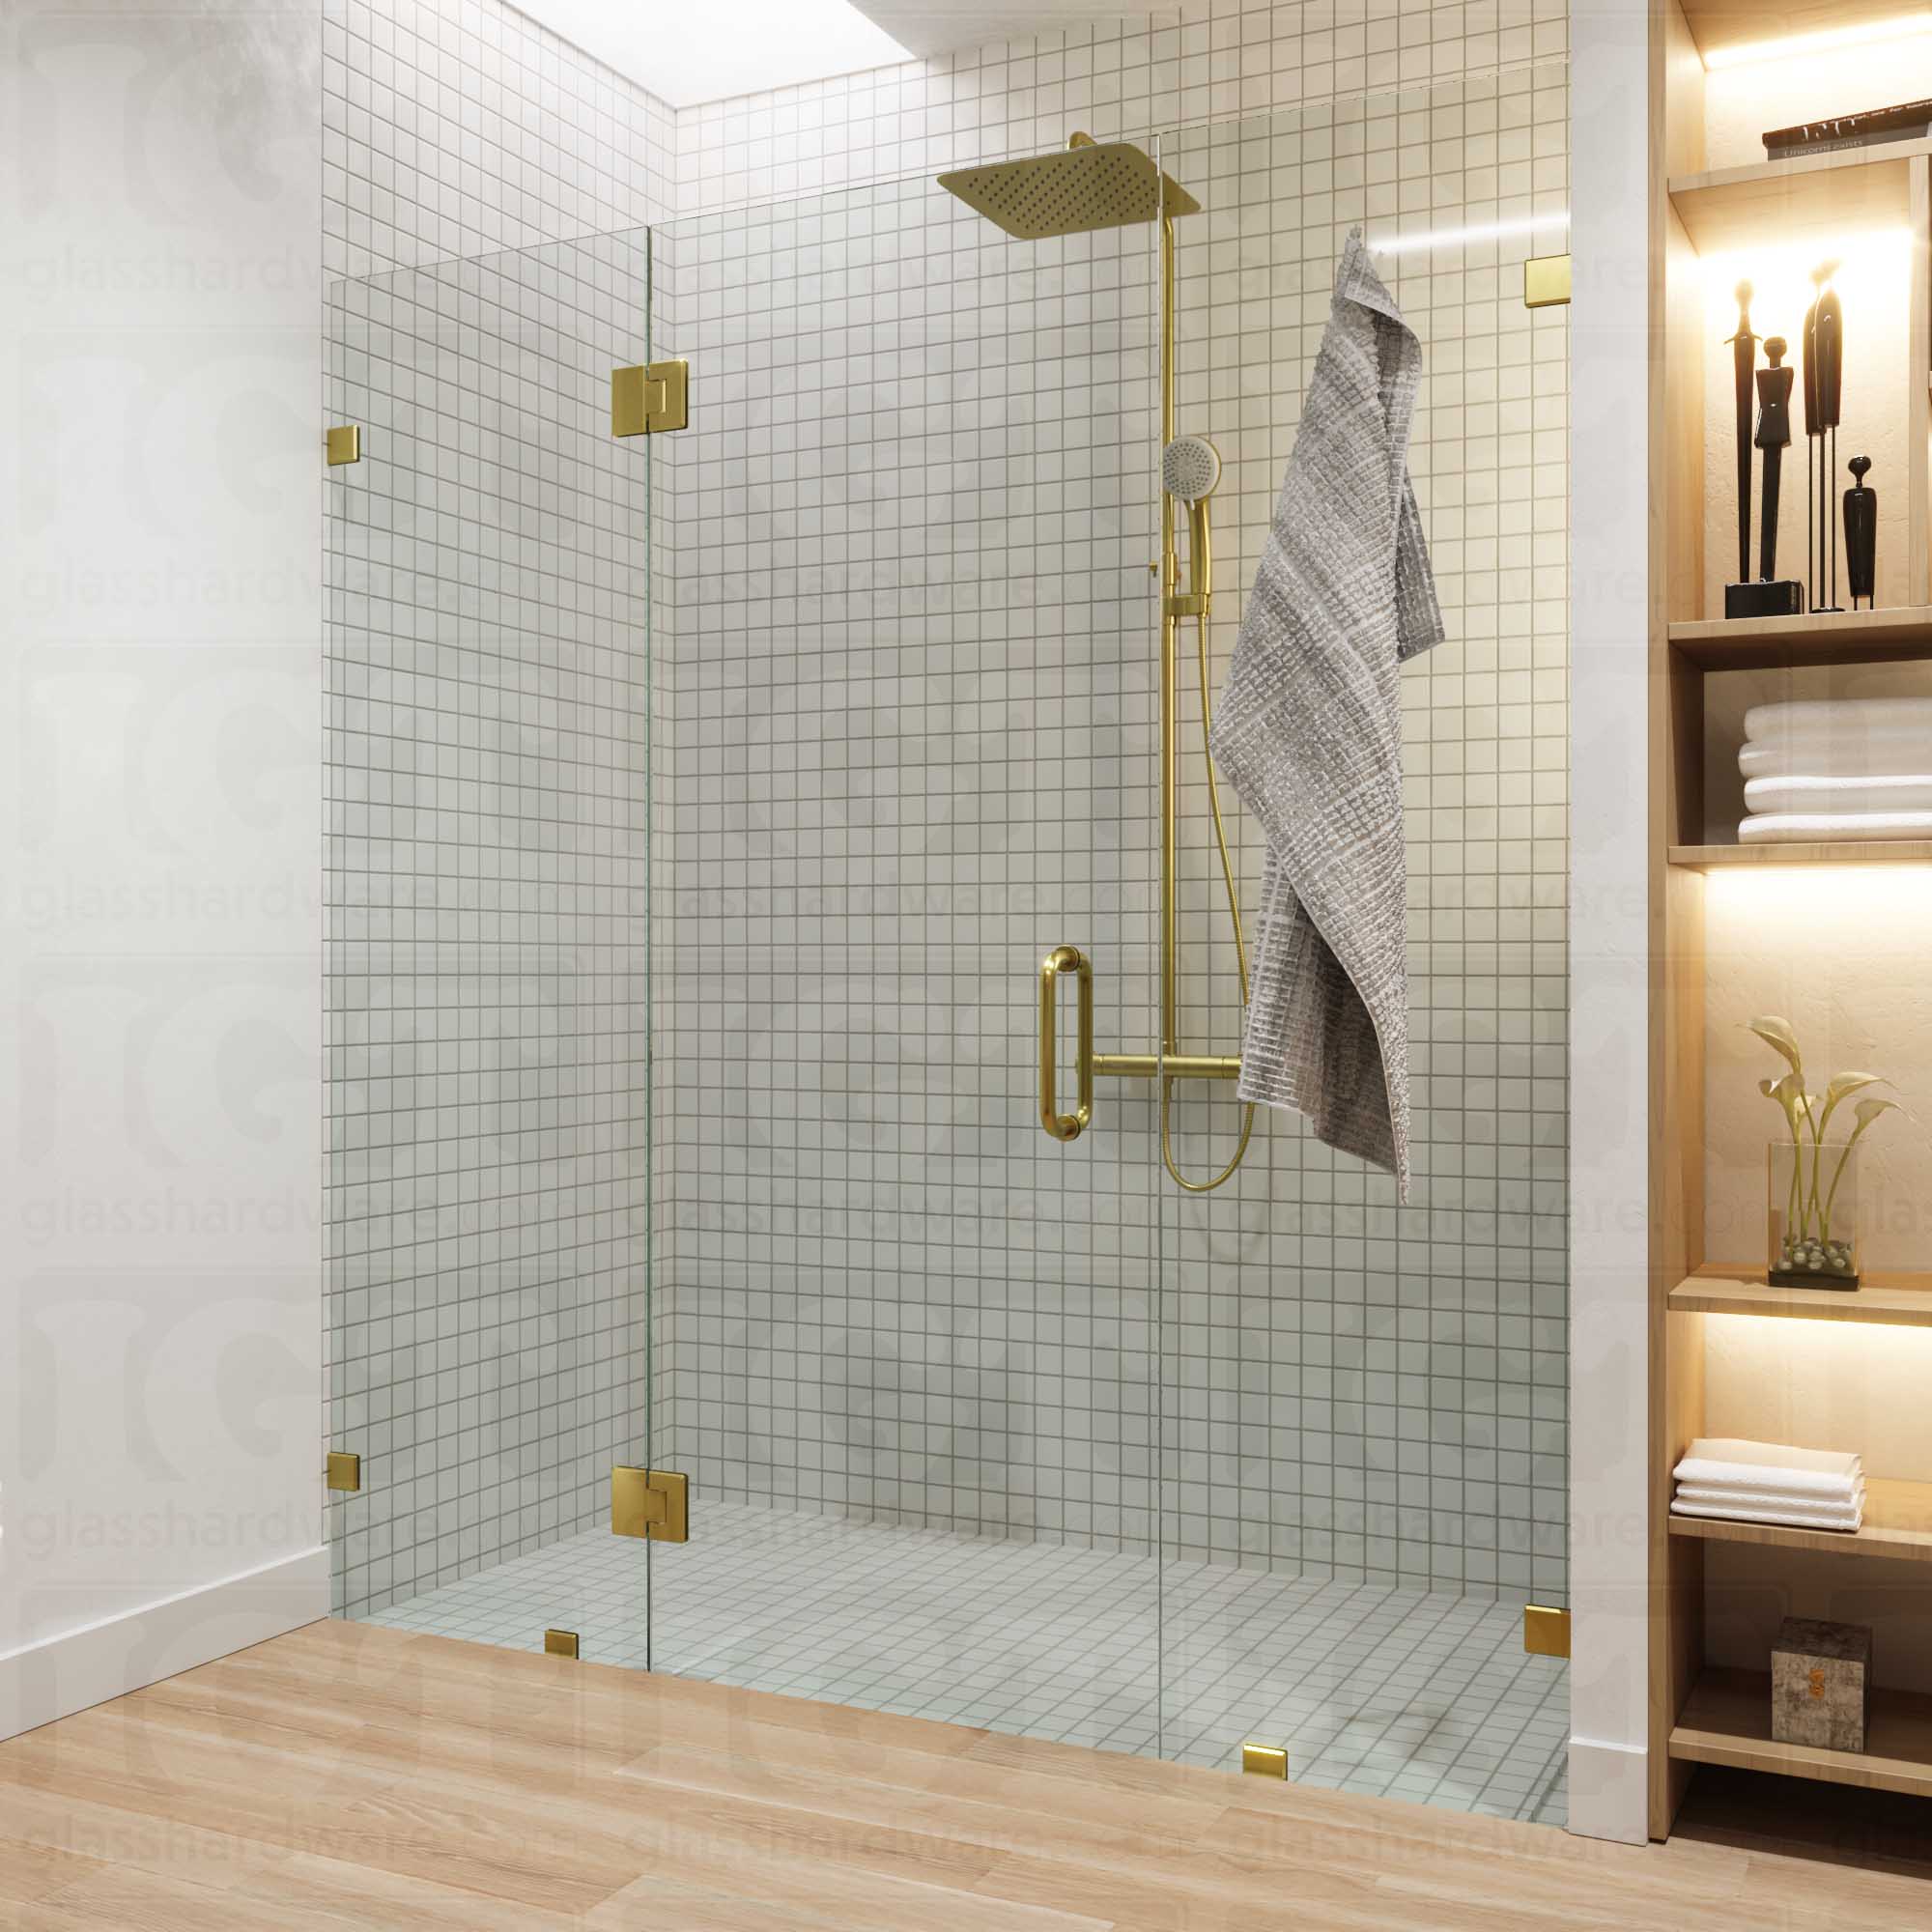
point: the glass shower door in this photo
(905, 1343)
(1365, 1436)
(488, 905)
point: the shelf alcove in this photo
(1720, 215)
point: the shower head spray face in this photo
(1190, 467)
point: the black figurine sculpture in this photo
(1770, 596)
(1828, 347)
(1861, 533)
(1744, 365)
(1814, 455)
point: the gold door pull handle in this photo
(1062, 959)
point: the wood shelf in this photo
(1899, 1300)
(1898, 1524)
(1726, 1720)
(1847, 852)
(1778, 643)
(1857, 189)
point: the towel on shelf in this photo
(1848, 1521)
(1714, 1494)
(1774, 828)
(1837, 768)
(1309, 732)
(1883, 794)
(1730, 1462)
(1847, 719)
(1725, 1478)
(1904, 753)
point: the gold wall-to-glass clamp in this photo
(1065, 960)
(650, 399)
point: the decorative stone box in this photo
(1821, 1684)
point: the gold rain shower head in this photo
(1089, 185)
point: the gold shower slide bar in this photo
(1119, 1066)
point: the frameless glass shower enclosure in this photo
(703, 807)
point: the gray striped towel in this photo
(1309, 733)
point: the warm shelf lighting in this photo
(1796, 45)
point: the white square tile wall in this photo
(899, 707)
(916, 721)
(455, 128)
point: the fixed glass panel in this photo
(904, 1340)
(488, 909)
(1365, 1475)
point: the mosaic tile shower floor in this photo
(1402, 1694)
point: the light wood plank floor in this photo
(351, 1777)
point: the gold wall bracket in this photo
(561, 1643)
(1545, 281)
(651, 399)
(344, 1471)
(343, 443)
(1265, 1760)
(1545, 1632)
(651, 1503)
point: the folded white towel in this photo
(1890, 792)
(1848, 1521)
(1776, 828)
(1722, 1494)
(1903, 753)
(1830, 1474)
(1854, 716)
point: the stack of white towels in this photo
(1763, 1482)
(1837, 768)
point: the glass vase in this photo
(1813, 1215)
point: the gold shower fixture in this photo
(1092, 185)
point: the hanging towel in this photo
(1309, 733)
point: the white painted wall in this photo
(160, 1378)
(1608, 932)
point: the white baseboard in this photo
(63, 1674)
(1609, 1791)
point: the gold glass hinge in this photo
(344, 1471)
(650, 400)
(1265, 1760)
(653, 1503)
(343, 443)
(1545, 281)
(1545, 1632)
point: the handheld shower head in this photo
(1190, 467)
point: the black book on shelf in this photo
(1910, 122)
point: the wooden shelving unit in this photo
(1899, 1300)
(1700, 1715)
(1726, 1720)
(1781, 643)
